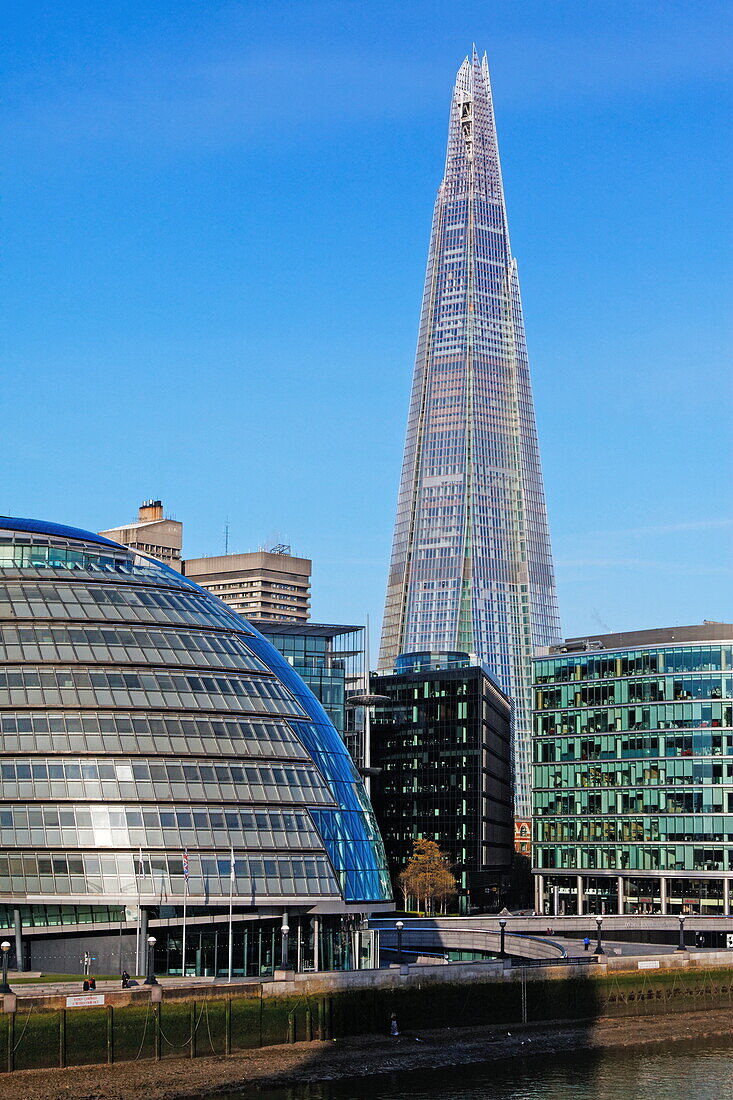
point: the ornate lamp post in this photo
(151, 978)
(399, 926)
(502, 927)
(5, 988)
(599, 945)
(681, 945)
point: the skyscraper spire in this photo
(471, 562)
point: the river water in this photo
(683, 1071)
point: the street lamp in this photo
(599, 945)
(284, 929)
(368, 700)
(151, 978)
(502, 952)
(399, 926)
(681, 945)
(5, 988)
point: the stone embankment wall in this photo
(41, 1031)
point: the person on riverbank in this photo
(393, 1030)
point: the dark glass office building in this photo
(151, 739)
(442, 743)
(633, 773)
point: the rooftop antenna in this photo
(226, 536)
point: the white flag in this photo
(231, 866)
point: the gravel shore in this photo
(182, 1079)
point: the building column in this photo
(726, 897)
(620, 889)
(579, 891)
(18, 940)
(663, 895)
(142, 962)
(316, 944)
(539, 894)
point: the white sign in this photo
(729, 940)
(649, 964)
(85, 1000)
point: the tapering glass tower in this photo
(471, 562)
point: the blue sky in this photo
(215, 220)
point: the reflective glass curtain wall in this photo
(633, 778)
(471, 565)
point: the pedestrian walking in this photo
(393, 1026)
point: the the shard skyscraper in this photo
(471, 567)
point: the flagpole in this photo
(231, 898)
(185, 898)
(137, 930)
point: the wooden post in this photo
(11, 1042)
(320, 1027)
(291, 1026)
(228, 1026)
(62, 1037)
(110, 1035)
(193, 1029)
(156, 1014)
(308, 1022)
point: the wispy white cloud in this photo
(659, 529)
(217, 99)
(675, 568)
(237, 85)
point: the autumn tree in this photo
(428, 877)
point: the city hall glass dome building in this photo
(149, 733)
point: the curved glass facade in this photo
(633, 778)
(140, 717)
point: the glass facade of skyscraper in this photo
(471, 566)
(633, 774)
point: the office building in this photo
(442, 743)
(471, 566)
(153, 533)
(141, 720)
(263, 585)
(633, 773)
(330, 660)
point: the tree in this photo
(428, 877)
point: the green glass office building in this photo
(633, 773)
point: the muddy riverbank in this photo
(181, 1079)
